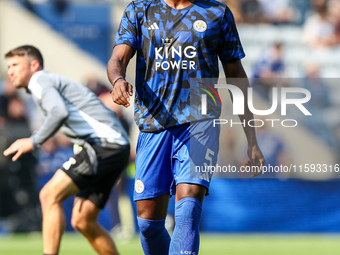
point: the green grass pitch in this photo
(74, 244)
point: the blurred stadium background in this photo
(295, 39)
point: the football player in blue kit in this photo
(175, 42)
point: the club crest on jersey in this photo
(139, 186)
(200, 25)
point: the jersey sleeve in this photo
(127, 31)
(52, 103)
(229, 47)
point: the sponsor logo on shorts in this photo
(139, 186)
(69, 163)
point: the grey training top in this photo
(75, 110)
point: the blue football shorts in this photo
(175, 155)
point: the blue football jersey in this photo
(173, 47)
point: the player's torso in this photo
(173, 47)
(179, 44)
(87, 116)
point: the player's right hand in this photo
(121, 93)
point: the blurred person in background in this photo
(320, 101)
(319, 29)
(269, 69)
(234, 6)
(277, 11)
(314, 83)
(252, 12)
(8, 92)
(316, 4)
(301, 9)
(95, 85)
(334, 10)
(101, 149)
(18, 197)
(337, 142)
(273, 149)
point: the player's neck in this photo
(179, 4)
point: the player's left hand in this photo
(19, 147)
(256, 159)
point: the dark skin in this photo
(178, 4)
(156, 208)
(237, 76)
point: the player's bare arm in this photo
(57, 114)
(238, 77)
(116, 72)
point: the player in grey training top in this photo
(101, 149)
(76, 110)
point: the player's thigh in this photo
(153, 208)
(153, 177)
(84, 211)
(60, 187)
(193, 158)
(97, 187)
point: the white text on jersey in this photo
(165, 52)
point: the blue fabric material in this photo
(186, 239)
(172, 47)
(168, 158)
(272, 205)
(154, 237)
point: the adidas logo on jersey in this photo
(153, 26)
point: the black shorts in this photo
(95, 170)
